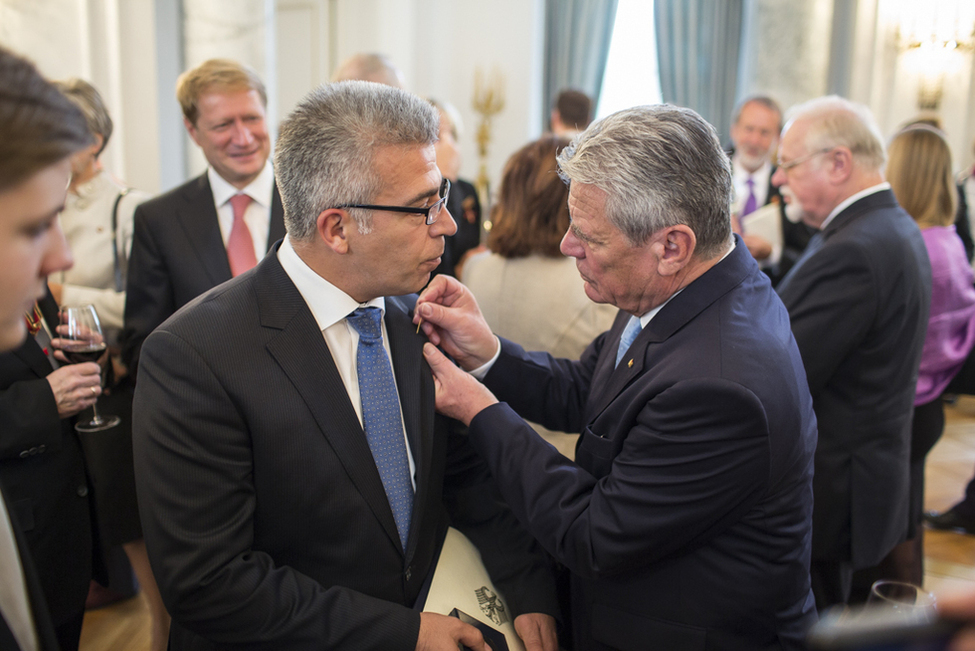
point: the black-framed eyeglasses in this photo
(430, 212)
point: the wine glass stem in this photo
(96, 418)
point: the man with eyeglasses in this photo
(294, 480)
(858, 301)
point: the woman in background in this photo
(527, 290)
(919, 172)
(97, 222)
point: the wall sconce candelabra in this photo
(934, 36)
(488, 101)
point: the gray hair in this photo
(369, 67)
(90, 103)
(761, 100)
(325, 153)
(660, 165)
(837, 122)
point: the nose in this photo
(242, 134)
(57, 254)
(445, 224)
(778, 179)
(570, 245)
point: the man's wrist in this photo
(481, 371)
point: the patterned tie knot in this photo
(367, 322)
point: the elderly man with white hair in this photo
(858, 300)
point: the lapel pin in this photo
(629, 364)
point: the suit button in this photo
(24, 454)
(41, 448)
(82, 491)
(33, 451)
(409, 572)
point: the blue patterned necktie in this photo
(633, 329)
(381, 416)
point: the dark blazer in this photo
(44, 478)
(177, 254)
(686, 518)
(264, 514)
(43, 627)
(859, 308)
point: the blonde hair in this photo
(215, 74)
(919, 172)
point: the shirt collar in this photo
(741, 175)
(328, 303)
(260, 189)
(849, 201)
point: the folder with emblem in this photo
(460, 582)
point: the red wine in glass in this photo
(78, 354)
(82, 341)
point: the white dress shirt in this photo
(14, 603)
(760, 179)
(258, 213)
(330, 306)
(849, 201)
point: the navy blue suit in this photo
(686, 519)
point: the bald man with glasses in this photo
(858, 301)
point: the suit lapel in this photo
(694, 299)
(30, 353)
(198, 219)
(415, 385)
(276, 229)
(301, 351)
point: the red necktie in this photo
(240, 245)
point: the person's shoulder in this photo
(163, 203)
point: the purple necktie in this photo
(750, 202)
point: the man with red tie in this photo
(213, 227)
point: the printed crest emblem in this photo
(491, 605)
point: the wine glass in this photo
(909, 601)
(82, 341)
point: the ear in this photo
(839, 165)
(333, 226)
(676, 248)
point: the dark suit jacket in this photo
(44, 478)
(264, 514)
(686, 521)
(859, 309)
(177, 254)
(46, 637)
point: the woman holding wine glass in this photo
(42, 466)
(97, 222)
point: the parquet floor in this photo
(949, 557)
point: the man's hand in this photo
(459, 395)
(758, 246)
(442, 633)
(537, 631)
(451, 318)
(76, 387)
